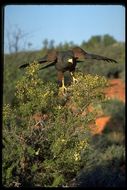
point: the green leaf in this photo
(59, 180)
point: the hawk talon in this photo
(75, 80)
(62, 90)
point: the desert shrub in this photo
(104, 160)
(103, 168)
(104, 163)
(116, 109)
(33, 94)
(122, 75)
(81, 91)
(109, 70)
(50, 155)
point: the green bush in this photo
(103, 168)
(50, 155)
(33, 94)
(104, 160)
(53, 152)
(116, 109)
(89, 89)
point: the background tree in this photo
(108, 40)
(51, 44)
(45, 44)
(15, 39)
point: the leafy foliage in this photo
(29, 92)
(104, 160)
(92, 84)
(49, 155)
(52, 150)
(107, 172)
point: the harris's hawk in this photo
(67, 61)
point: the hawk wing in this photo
(50, 58)
(81, 54)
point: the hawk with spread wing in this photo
(67, 61)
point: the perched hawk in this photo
(67, 61)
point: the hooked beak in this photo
(70, 60)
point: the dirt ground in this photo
(116, 89)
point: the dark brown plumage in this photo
(67, 61)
